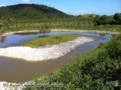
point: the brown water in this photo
(15, 70)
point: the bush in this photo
(91, 71)
(114, 48)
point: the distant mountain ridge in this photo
(28, 11)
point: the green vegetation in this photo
(91, 71)
(49, 40)
(33, 16)
(29, 11)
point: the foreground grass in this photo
(91, 71)
(49, 40)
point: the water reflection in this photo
(107, 37)
(2, 39)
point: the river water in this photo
(15, 70)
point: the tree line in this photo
(115, 19)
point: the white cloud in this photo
(26, 1)
(1, 5)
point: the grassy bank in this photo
(49, 40)
(91, 71)
(59, 24)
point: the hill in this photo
(29, 11)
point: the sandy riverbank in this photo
(94, 31)
(43, 53)
(63, 30)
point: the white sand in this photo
(14, 86)
(7, 86)
(64, 30)
(43, 53)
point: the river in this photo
(15, 70)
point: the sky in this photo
(75, 7)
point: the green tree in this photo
(104, 20)
(117, 18)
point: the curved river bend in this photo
(15, 70)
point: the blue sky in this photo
(75, 7)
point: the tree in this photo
(117, 18)
(104, 20)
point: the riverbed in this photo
(17, 70)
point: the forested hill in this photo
(27, 11)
